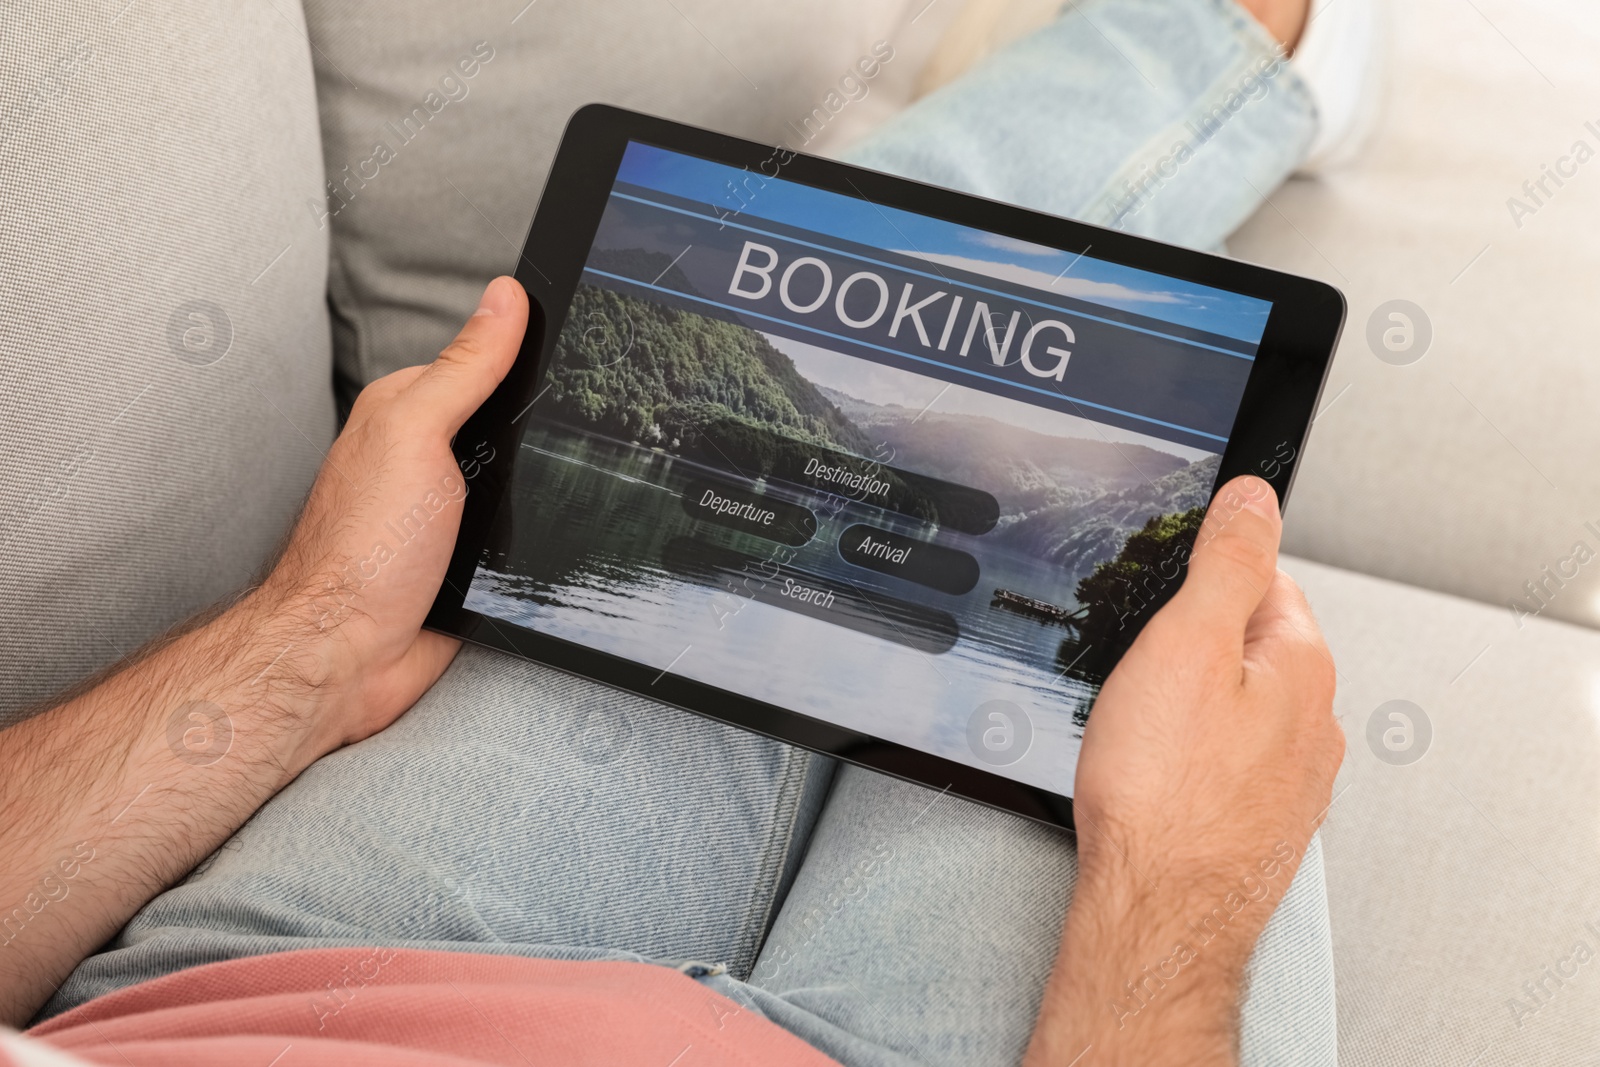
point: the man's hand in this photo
(1206, 766)
(111, 796)
(370, 550)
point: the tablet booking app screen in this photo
(905, 476)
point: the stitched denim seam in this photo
(1253, 44)
(774, 858)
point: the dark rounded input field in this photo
(841, 603)
(754, 452)
(946, 569)
(749, 512)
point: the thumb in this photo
(453, 386)
(1235, 558)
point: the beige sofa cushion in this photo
(1455, 879)
(415, 241)
(164, 354)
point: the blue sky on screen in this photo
(944, 243)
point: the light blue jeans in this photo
(519, 810)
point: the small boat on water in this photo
(1027, 605)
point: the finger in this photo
(1234, 559)
(453, 386)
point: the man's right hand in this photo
(1207, 764)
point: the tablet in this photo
(883, 470)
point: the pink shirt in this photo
(398, 1007)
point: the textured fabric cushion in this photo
(1472, 469)
(420, 224)
(164, 353)
(1456, 880)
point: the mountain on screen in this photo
(639, 371)
(1070, 501)
(1024, 469)
(1078, 534)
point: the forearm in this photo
(118, 793)
(1135, 983)
(1190, 832)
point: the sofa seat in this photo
(1454, 881)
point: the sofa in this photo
(189, 187)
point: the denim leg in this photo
(514, 809)
(922, 928)
(1166, 118)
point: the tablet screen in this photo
(905, 476)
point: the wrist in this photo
(285, 678)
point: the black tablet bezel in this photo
(1269, 433)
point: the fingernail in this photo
(1259, 496)
(497, 298)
